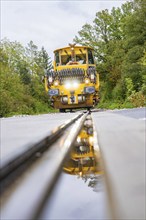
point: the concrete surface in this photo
(122, 143)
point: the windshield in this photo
(78, 58)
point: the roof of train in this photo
(76, 46)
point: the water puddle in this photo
(80, 192)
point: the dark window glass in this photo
(90, 57)
(57, 58)
(81, 58)
(65, 59)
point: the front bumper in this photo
(83, 96)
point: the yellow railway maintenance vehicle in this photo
(74, 82)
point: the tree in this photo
(45, 60)
(21, 89)
(118, 39)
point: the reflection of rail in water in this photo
(84, 159)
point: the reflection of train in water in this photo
(84, 159)
(74, 82)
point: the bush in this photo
(137, 99)
(41, 107)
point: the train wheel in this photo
(61, 110)
(89, 109)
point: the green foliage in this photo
(137, 99)
(129, 87)
(21, 69)
(119, 38)
(143, 88)
(119, 91)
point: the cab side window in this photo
(90, 57)
(57, 58)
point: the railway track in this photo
(32, 174)
(30, 178)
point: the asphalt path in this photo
(20, 131)
(137, 113)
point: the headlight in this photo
(56, 83)
(50, 79)
(92, 76)
(87, 81)
(91, 140)
(69, 85)
(78, 139)
(75, 85)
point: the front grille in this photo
(69, 75)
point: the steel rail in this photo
(67, 146)
(51, 163)
(10, 169)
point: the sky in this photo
(52, 24)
